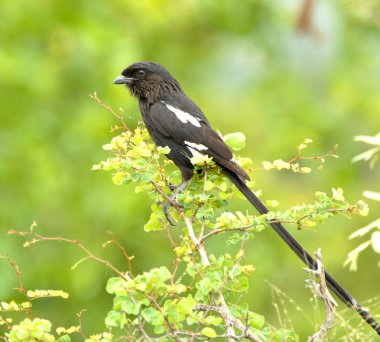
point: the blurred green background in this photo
(259, 67)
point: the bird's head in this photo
(148, 80)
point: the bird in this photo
(174, 120)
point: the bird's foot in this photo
(176, 189)
(173, 187)
(166, 206)
(166, 212)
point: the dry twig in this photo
(320, 289)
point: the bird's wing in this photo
(193, 133)
(187, 129)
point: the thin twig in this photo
(79, 315)
(126, 256)
(321, 290)
(202, 205)
(176, 266)
(159, 190)
(21, 288)
(298, 222)
(39, 238)
(166, 319)
(299, 157)
(119, 116)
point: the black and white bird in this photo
(174, 120)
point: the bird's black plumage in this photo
(174, 120)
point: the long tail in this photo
(332, 284)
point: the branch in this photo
(298, 222)
(305, 20)
(79, 315)
(21, 288)
(126, 256)
(247, 333)
(321, 290)
(224, 310)
(119, 116)
(321, 158)
(39, 238)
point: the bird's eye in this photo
(141, 73)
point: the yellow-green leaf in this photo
(209, 332)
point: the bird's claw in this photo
(172, 187)
(172, 199)
(166, 212)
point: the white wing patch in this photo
(195, 153)
(183, 116)
(199, 147)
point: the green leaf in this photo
(159, 329)
(163, 150)
(118, 178)
(209, 332)
(141, 285)
(242, 284)
(235, 140)
(209, 185)
(186, 305)
(147, 176)
(205, 286)
(224, 195)
(191, 269)
(152, 316)
(114, 319)
(164, 273)
(130, 307)
(213, 320)
(155, 222)
(114, 284)
(255, 320)
(172, 313)
(272, 203)
(179, 288)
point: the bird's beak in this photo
(123, 80)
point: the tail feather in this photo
(332, 284)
